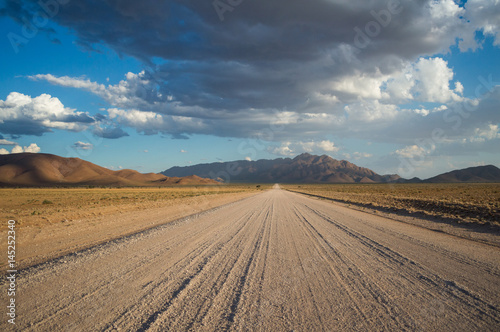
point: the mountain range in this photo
(39, 169)
(307, 168)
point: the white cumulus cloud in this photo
(136, 91)
(413, 151)
(32, 148)
(482, 15)
(22, 114)
(327, 146)
(292, 148)
(485, 134)
(434, 78)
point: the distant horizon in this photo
(241, 160)
(293, 157)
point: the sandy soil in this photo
(276, 261)
(83, 227)
(471, 203)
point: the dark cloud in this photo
(82, 118)
(264, 54)
(23, 127)
(325, 67)
(109, 132)
(99, 117)
(32, 17)
(82, 146)
(179, 136)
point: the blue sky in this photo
(396, 86)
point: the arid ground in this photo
(51, 222)
(270, 261)
(477, 203)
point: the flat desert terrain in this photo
(271, 261)
(51, 222)
(473, 203)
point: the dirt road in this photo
(277, 261)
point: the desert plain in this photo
(51, 222)
(256, 257)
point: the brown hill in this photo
(139, 177)
(38, 169)
(186, 180)
(478, 174)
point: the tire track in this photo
(186, 263)
(417, 275)
(354, 291)
(419, 272)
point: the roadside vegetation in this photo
(41, 206)
(465, 203)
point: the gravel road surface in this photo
(276, 261)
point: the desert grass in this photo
(42, 206)
(465, 203)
